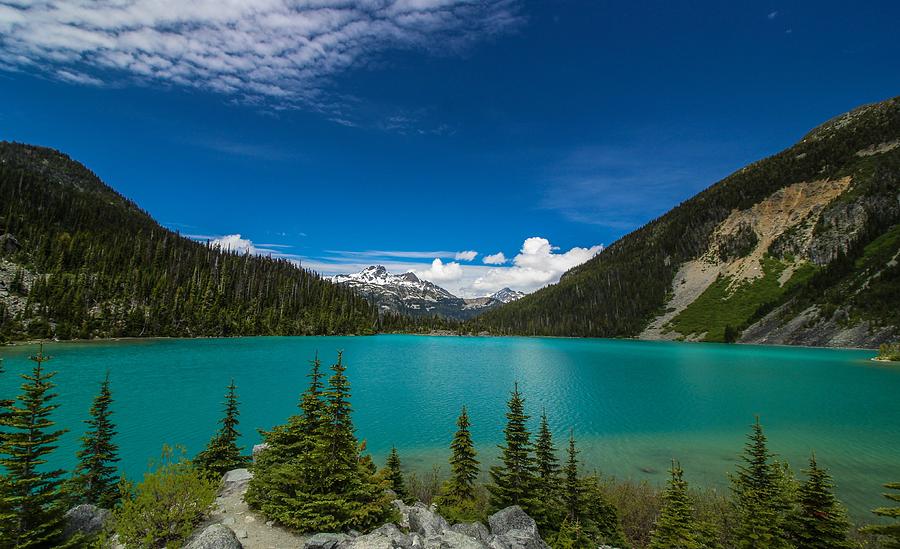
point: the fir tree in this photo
(572, 487)
(34, 502)
(889, 533)
(395, 475)
(675, 527)
(819, 521)
(513, 480)
(222, 453)
(549, 512)
(547, 461)
(463, 464)
(95, 480)
(760, 497)
(331, 488)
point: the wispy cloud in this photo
(773, 14)
(405, 254)
(278, 52)
(623, 187)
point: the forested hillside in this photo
(801, 247)
(78, 260)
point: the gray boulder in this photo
(473, 530)
(235, 481)
(453, 540)
(326, 541)
(423, 520)
(514, 529)
(9, 244)
(511, 518)
(215, 536)
(385, 537)
(85, 519)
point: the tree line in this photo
(101, 267)
(314, 475)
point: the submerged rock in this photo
(215, 536)
(85, 519)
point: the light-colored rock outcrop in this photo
(85, 519)
(215, 536)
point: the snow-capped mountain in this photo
(506, 295)
(408, 294)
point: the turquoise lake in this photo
(633, 405)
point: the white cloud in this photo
(535, 266)
(234, 243)
(494, 259)
(441, 272)
(283, 51)
(467, 255)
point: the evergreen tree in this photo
(222, 453)
(550, 512)
(819, 521)
(95, 479)
(464, 466)
(889, 533)
(33, 500)
(572, 487)
(395, 475)
(675, 527)
(547, 461)
(759, 490)
(331, 488)
(513, 480)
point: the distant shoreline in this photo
(434, 333)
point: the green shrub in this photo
(163, 509)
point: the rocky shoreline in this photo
(232, 525)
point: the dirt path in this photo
(250, 528)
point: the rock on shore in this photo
(232, 525)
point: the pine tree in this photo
(513, 480)
(759, 490)
(675, 527)
(95, 479)
(889, 533)
(222, 453)
(464, 466)
(819, 521)
(547, 461)
(572, 487)
(331, 488)
(33, 506)
(395, 475)
(550, 513)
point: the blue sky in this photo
(400, 132)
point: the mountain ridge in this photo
(630, 285)
(407, 294)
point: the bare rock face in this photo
(215, 536)
(85, 519)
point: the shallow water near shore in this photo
(633, 405)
